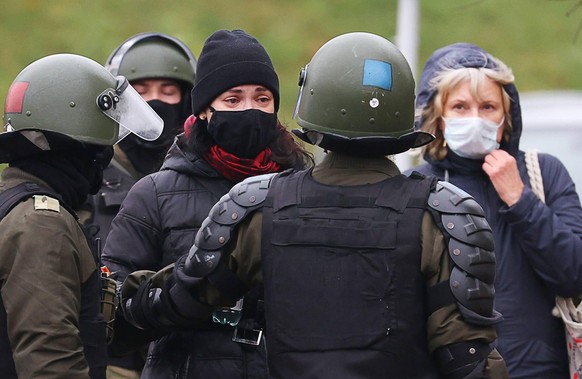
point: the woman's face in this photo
(240, 98)
(461, 103)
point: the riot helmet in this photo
(151, 56)
(357, 97)
(65, 101)
(155, 56)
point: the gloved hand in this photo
(137, 299)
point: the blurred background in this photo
(540, 39)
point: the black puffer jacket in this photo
(157, 223)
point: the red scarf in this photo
(188, 124)
(236, 169)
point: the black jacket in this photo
(157, 223)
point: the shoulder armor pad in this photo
(251, 191)
(204, 261)
(230, 210)
(460, 216)
(470, 244)
(448, 198)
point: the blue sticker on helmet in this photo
(377, 74)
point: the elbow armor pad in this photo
(463, 360)
(471, 245)
(205, 260)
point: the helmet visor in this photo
(130, 111)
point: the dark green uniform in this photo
(45, 262)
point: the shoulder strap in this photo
(534, 172)
(12, 196)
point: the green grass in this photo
(535, 37)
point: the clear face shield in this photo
(133, 114)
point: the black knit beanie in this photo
(229, 59)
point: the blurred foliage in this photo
(537, 38)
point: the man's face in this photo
(166, 90)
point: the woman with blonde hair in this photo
(468, 100)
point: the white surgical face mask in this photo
(471, 137)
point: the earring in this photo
(444, 143)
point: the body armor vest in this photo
(344, 293)
(106, 203)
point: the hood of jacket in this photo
(460, 55)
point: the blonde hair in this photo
(447, 81)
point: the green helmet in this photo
(153, 56)
(66, 100)
(357, 97)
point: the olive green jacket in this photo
(44, 261)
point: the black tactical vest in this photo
(92, 326)
(344, 294)
(105, 205)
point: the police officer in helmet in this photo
(367, 273)
(162, 69)
(63, 113)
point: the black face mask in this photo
(95, 168)
(173, 117)
(71, 173)
(243, 133)
(147, 156)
